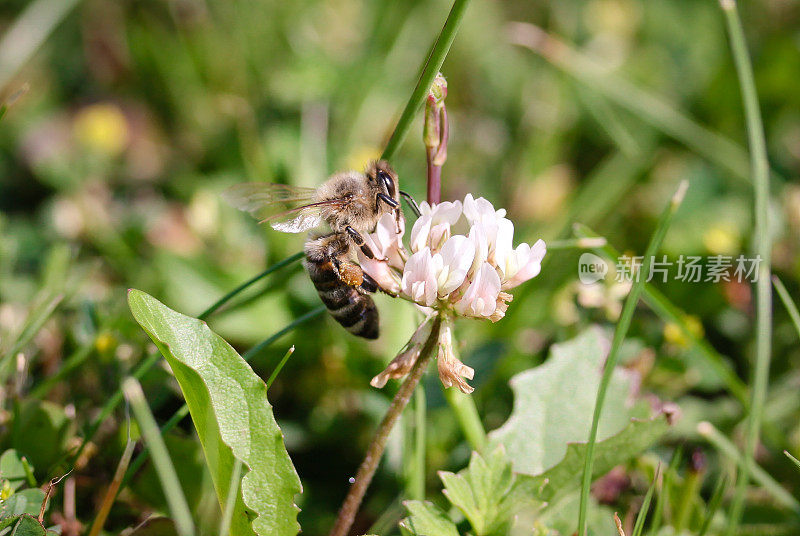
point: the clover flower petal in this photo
(419, 278)
(480, 298)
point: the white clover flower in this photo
(463, 262)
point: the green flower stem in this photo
(668, 312)
(759, 169)
(724, 445)
(366, 471)
(463, 406)
(227, 297)
(432, 67)
(616, 344)
(787, 302)
(164, 468)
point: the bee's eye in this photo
(387, 182)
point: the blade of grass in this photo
(724, 445)
(28, 33)
(670, 313)
(227, 513)
(173, 492)
(759, 169)
(794, 460)
(280, 365)
(33, 324)
(616, 343)
(432, 67)
(666, 490)
(646, 106)
(787, 302)
(638, 527)
(247, 284)
(113, 488)
(714, 503)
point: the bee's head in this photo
(382, 176)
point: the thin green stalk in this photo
(794, 460)
(770, 485)
(113, 489)
(29, 31)
(432, 67)
(170, 483)
(713, 504)
(668, 312)
(638, 527)
(227, 513)
(463, 407)
(33, 324)
(759, 169)
(415, 487)
(256, 351)
(227, 297)
(787, 302)
(665, 491)
(646, 106)
(279, 366)
(616, 344)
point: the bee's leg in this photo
(368, 285)
(386, 199)
(411, 202)
(350, 273)
(359, 241)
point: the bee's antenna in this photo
(411, 203)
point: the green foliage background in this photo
(138, 114)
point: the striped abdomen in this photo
(356, 312)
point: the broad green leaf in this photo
(28, 501)
(481, 492)
(40, 433)
(27, 525)
(426, 519)
(234, 420)
(12, 469)
(565, 476)
(554, 403)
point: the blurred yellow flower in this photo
(102, 128)
(673, 333)
(722, 239)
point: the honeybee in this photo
(350, 203)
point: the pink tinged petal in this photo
(451, 370)
(383, 274)
(477, 236)
(420, 233)
(480, 299)
(504, 240)
(419, 278)
(528, 260)
(404, 361)
(457, 255)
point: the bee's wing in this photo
(271, 202)
(265, 199)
